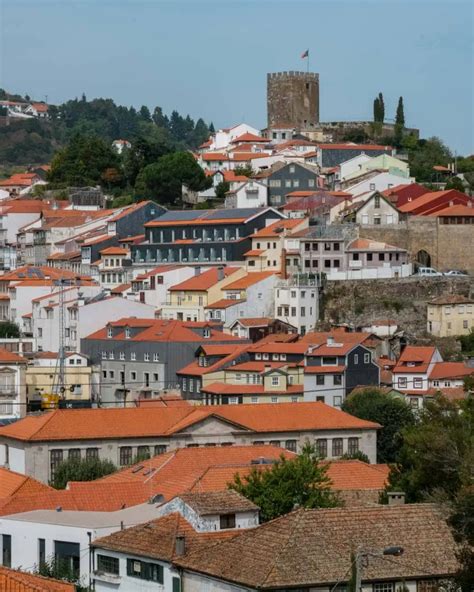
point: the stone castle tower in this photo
(292, 100)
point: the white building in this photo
(251, 194)
(12, 385)
(84, 314)
(377, 210)
(377, 181)
(297, 301)
(414, 368)
(151, 287)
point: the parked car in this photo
(428, 272)
(455, 273)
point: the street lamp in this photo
(394, 551)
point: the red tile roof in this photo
(114, 251)
(203, 281)
(231, 177)
(24, 179)
(211, 156)
(225, 303)
(364, 147)
(249, 280)
(456, 210)
(421, 356)
(255, 321)
(427, 201)
(273, 230)
(248, 137)
(450, 370)
(12, 483)
(8, 357)
(84, 424)
(12, 580)
(254, 253)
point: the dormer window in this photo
(110, 332)
(227, 521)
(128, 333)
(206, 333)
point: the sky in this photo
(209, 58)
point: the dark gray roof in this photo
(179, 215)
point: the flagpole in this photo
(307, 64)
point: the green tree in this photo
(467, 341)
(9, 330)
(163, 180)
(381, 108)
(359, 455)
(437, 454)
(455, 183)
(142, 153)
(393, 414)
(83, 161)
(221, 189)
(145, 113)
(423, 155)
(83, 469)
(60, 569)
(300, 481)
(246, 171)
(160, 119)
(400, 115)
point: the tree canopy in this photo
(163, 180)
(423, 155)
(288, 483)
(82, 469)
(9, 330)
(83, 161)
(392, 413)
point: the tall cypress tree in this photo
(382, 108)
(400, 116)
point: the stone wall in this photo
(292, 99)
(449, 246)
(360, 302)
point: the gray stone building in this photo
(140, 357)
(292, 100)
(289, 178)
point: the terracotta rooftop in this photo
(249, 280)
(430, 196)
(450, 370)
(276, 229)
(205, 280)
(309, 548)
(157, 539)
(225, 303)
(451, 299)
(12, 580)
(218, 502)
(417, 355)
(455, 210)
(366, 244)
(8, 357)
(12, 483)
(255, 322)
(114, 251)
(86, 424)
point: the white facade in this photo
(351, 166)
(155, 291)
(377, 211)
(251, 194)
(223, 137)
(12, 390)
(414, 381)
(297, 304)
(379, 182)
(82, 319)
(387, 271)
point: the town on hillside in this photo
(234, 358)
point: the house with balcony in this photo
(113, 268)
(297, 301)
(250, 194)
(12, 386)
(200, 236)
(152, 286)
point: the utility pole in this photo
(59, 383)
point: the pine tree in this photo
(376, 110)
(382, 108)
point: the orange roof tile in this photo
(244, 156)
(12, 483)
(450, 370)
(248, 137)
(203, 281)
(84, 424)
(231, 177)
(225, 303)
(210, 156)
(8, 357)
(12, 580)
(114, 251)
(254, 253)
(249, 280)
(276, 228)
(455, 210)
(421, 356)
(431, 196)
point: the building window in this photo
(110, 332)
(337, 401)
(337, 447)
(107, 564)
(128, 333)
(366, 358)
(275, 381)
(41, 552)
(145, 571)
(322, 447)
(320, 379)
(143, 452)
(56, 460)
(146, 357)
(274, 399)
(353, 445)
(104, 355)
(402, 382)
(160, 449)
(122, 355)
(428, 586)
(465, 325)
(6, 550)
(337, 379)
(133, 375)
(227, 521)
(418, 383)
(74, 454)
(383, 587)
(92, 453)
(377, 201)
(156, 357)
(125, 456)
(290, 445)
(133, 356)
(372, 186)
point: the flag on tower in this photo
(305, 54)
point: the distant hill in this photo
(34, 141)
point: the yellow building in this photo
(41, 377)
(188, 299)
(450, 316)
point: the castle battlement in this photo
(293, 74)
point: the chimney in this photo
(283, 272)
(396, 498)
(268, 367)
(220, 273)
(180, 545)
(197, 270)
